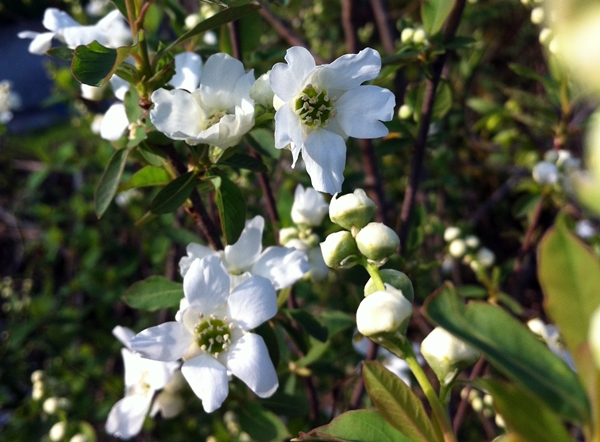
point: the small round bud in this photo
(385, 311)
(79, 438)
(57, 431)
(407, 35)
(396, 279)
(525, 2)
(352, 210)
(261, 91)
(318, 269)
(477, 405)
(447, 355)
(594, 336)
(419, 37)
(488, 400)
(297, 244)
(553, 46)
(447, 265)
(545, 173)
(551, 156)
(50, 405)
(485, 257)
(38, 391)
(537, 15)
(500, 421)
(545, 36)
(584, 229)
(339, 250)
(451, 233)
(472, 241)
(309, 207)
(405, 112)
(563, 155)
(192, 20)
(287, 234)
(37, 376)
(457, 248)
(377, 241)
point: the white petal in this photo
(230, 129)
(119, 87)
(283, 266)
(288, 128)
(288, 80)
(114, 122)
(55, 19)
(240, 256)
(360, 111)
(126, 417)
(219, 78)
(41, 42)
(80, 35)
(208, 379)
(206, 284)
(252, 303)
(165, 342)
(249, 360)
(194, 251)
(176, 114)
(123, 334)
(325, 156)
(188, 68)
(348, 71)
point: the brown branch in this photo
(350, 34)
(386, 30)
(464, 402)
(359, 388)
(416, 167)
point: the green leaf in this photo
(261, 424)
(524, 414)
(94, 64)
(60, 53)
(434, 14)
(262, 141)
(472, 291)
(337, 321)
(512, 349)
(132, 105)
(309, 324)
(290, 405)
(397, 403)
(151, 154)
(232, 208)
(109, 181)
(173, 194)
(243, 161)
(359, 425)
(121, 6)
(139, 136)
(154, 293)
(145, 177)
(441, 104)
(316, 352)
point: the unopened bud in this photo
(447, 355)
(352, 210)
(405, 112)
(377, 241)
(457, 248)
(485, 257)
(92, 93)
(79, 438)
(537, 15)
(192, 20)
(287, 234)
(396, 279)
(339, 250)
(37, 376)
(419, 37)
(261, 91)
(545, 173)
(472, 242)
(451, 233)
(309, 207)
(385, 311)
(407, 35)
(57, 431)
(545, 36)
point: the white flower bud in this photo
(407, 35)
(594, 336)
(447, 265)
(475, 266)
(477, 405)
(287, 234)
(92, 93)
(297, 244)
(339, 250)
(451, 233)
(545, 173)
(500, 421)
(472, 241)
(553, 46)
(261, 91)
(309, 207)
(563, 155)
(488, 400)
(37, 376)
(192, 20)
(537, 327)
(58, 431)
(457, 248)
(447, 355)
(38, 391)
(537, 15)
(318, 269)
(405, 112)
(545, 36)
(353, 209)
(551, 156)
(419, 37)
(97, 123)
(79, 438)
(51, 405)
(396, 279)
(485, 257)
(584, 229)
(377, 241)
(385, 311)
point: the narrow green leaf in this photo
(261, 424)
(441, 104)
(434, 14)
(145, 177)
(309, 324)
(60, 53)
(262, 141)
(109, 181)
(397, 403)
(359, 425)
(132, 105)
(243, 161)
(232, 208)
(173, 194)
(290, 405)
(139, 136)
(512, 349)
(154, 293)
(151, 154)
(94, 64)
(337, 321)
(524, 413)
(120, 4)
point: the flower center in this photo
(213, 335)
(214, 118)
(315, 107)
(141, 386)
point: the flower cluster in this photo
(9, 100)
(556, 168)
(468, 249)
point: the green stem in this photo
(264, 118)
(374, 273)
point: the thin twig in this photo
(416, 167)
(359, 388)
(386, 31)
(464, 402)
(535, 218)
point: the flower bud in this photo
(318, 269)
(37, 376)
(38, 390)
(472, 241)
(545, 36)
(353, 209)
(286, 234)
(407, 35)
(309, 207)
(451, 233)
(545, 173)
(79, 437)
(92, 93)
(396, 279)
(584, 229)
(50, 405)
(57, 431)
(551, 156)
(485, 257)
(405, 112)
(594, 336)
(377, 241)
(419, 37)
(192, 20)
(385, 311)
(537, 15)
(457, 248)
(339, 250)
(261, 91)
(447, 355)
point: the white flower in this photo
(283, 266)
(112, 31)
(545, 173)
(143, 377)
(218, 111)
(211, 333)
(451, 233)
(309, 206)
(323, 106)
(261, 91)
(385, 311)
(8, 100)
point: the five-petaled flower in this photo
(324, 105)
(211, 333)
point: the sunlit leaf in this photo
(154, 293)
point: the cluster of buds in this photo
(556, 167)
(468, 249)
(414, 37)
(482, 403)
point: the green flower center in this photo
(214, 118)
(213, 335)
(315, 107)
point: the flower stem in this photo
(374, 273)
